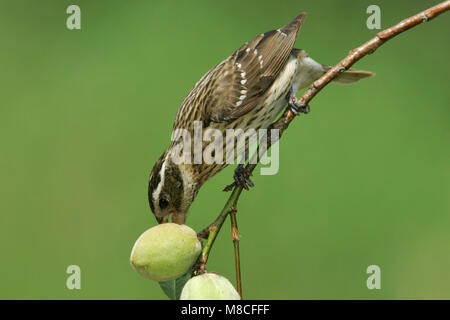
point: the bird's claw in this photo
(242, 177)
(296, 107)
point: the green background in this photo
(84, 114)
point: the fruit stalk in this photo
(237, 258)
(213, 229)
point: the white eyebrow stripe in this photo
(161, 173)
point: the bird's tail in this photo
(350, 75)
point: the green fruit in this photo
(209, 286)
(165, 252)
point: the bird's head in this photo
(170, 191)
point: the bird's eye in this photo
(163, 203)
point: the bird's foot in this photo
(241, 178)
(296, 107)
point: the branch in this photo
(370, 47)
(283, 122)
(213, 229)
(237, 258)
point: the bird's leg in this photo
(293, 104)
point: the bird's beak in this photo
(177, 217)
(164, 219)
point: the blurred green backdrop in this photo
(84, 114)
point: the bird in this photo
(249, 89)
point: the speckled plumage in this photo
(247, 90)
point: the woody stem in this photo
(214, 228)
(237, 259)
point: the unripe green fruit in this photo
(209, 286)
(165, 252)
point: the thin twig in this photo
(283, 122)
(214, 229)
(237, 258)
(370, 47)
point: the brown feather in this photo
(234, 87)
(350, 75)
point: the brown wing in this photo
(237, 83)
